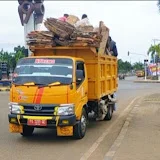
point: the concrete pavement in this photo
(139, 138)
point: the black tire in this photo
(80, 128)
(109, 113)
(27, 131)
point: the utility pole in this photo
(31, 13)
(154, 41)
(145, 67)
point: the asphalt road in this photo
(99, 137)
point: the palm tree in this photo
(154, 50)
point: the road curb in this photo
(147, 81)
(111, 153)
(95, 145)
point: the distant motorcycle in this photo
(122, 76)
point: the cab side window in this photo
(80, 72)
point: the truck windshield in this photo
(43, 71)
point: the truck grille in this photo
(38, 109)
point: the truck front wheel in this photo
(80, 128)
(27, 131)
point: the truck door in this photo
(81, 87)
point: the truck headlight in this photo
(14, 108)
(65, 109)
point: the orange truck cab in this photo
(58, 87)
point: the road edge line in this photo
(113, 149)
(95, 145)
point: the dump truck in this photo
(60, 87)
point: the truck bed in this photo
(101, 69)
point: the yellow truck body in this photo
(101, 69)
(64, 106)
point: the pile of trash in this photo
(40, 37)
(64, 34)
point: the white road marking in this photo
(110, 154)
(101, 138)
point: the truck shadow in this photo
(45, 136)
(50, 136)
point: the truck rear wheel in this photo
(27, 131)
(109, 113)
(80, 128)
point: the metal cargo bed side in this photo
(101, 69)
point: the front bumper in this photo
(52, 121)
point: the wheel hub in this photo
(83, 123)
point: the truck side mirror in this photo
(79, 76)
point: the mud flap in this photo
(14, 128)
(65, 131)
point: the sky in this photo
(133, 24)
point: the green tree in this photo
(19, 53)
(6, 57)
(124, 67)
(19, 48)
(12, 58)
(154, 50)
(138, 66)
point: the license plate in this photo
(36, 122)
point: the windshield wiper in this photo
(40, 85)
(27, 84)
(52, 84)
